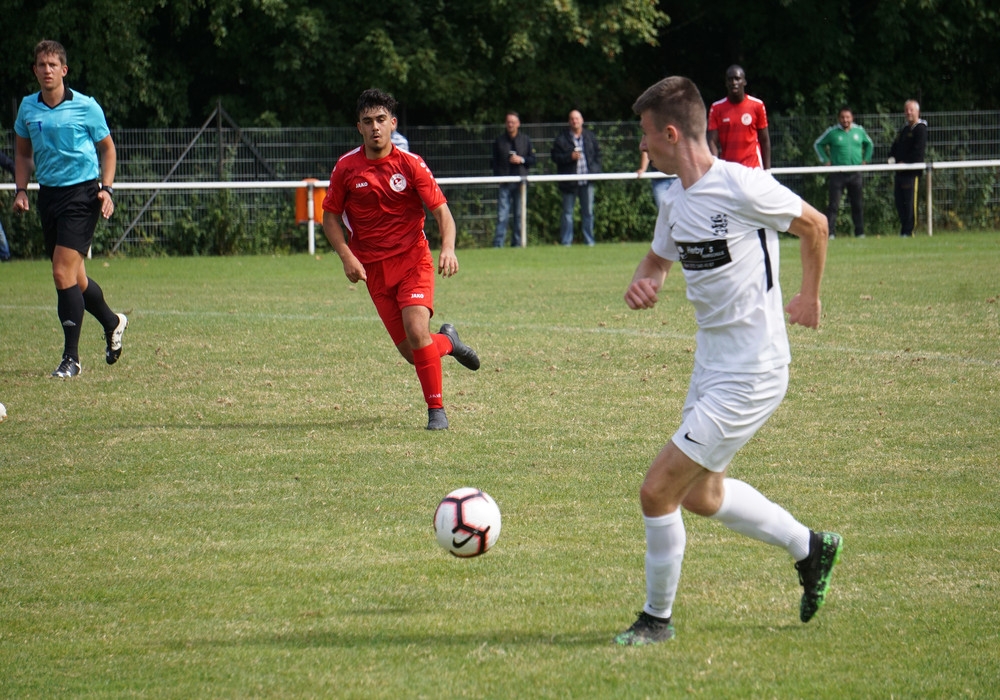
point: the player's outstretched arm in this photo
(334, 232)
(447, 261)
(646, 282)
(811, 228)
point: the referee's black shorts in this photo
(69, 216)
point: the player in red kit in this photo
(737, 125)
(378, 193)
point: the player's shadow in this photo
(378, 639)
(346, 423)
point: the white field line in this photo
(568, 330)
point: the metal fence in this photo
(221, 151)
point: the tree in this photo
(303, 62)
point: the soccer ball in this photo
(467, 522)
(3, 413)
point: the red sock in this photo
(428, 365)
(443, 344)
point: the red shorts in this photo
(403, 280)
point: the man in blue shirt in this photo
(65, 135)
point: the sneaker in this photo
(436, 419)
(814, 571)
(67, 368)
(114, 338)
(465, 355)
(646, 630)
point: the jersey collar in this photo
(67, 96)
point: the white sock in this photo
(745, 510)
(665, 541)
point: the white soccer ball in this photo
(3, 413)
(467, 522)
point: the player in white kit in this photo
(721, 225)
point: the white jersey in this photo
(723, 231)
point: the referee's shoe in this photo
(68, 368)
(114, 338)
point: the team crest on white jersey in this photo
(746, 118)
(397, 182)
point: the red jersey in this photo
(738, 125)
(382, 201)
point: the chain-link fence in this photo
(222, 221)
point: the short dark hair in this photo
(511, 113)
(48, 46)
(675, 100)
(373, 98)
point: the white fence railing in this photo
(310, 185)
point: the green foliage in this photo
(24, 232)
(864, 54)
(302, 62)
(241, 506)
(217, 223)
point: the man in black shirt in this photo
(909, 147)
(512, 155)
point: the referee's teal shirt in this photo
(63, 137)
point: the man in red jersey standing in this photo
(737, 125)
(377, 193)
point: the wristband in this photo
(20, 189)
(109, 189)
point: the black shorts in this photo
(69, 216)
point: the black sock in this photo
(93, 302)
(70, 310)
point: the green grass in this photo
(242, 506)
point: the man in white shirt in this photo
(721, 225)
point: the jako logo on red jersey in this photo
(397, 182)
(416, 295)
(359, 185)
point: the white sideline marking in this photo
(634, 332)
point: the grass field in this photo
(241, 507)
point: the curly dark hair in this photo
(373, 98)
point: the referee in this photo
(65, 135)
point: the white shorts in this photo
(723, 411)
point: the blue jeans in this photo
(508, 204)
(4, 248)
(586, 196)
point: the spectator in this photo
(379, 193)
(513, 154)
(7, 164)
(737, 125)
(909, 147)
(845, 144)
(576, 151)
(65, 136)
(660, 185)
(399, 141)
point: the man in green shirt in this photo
(846, 143)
